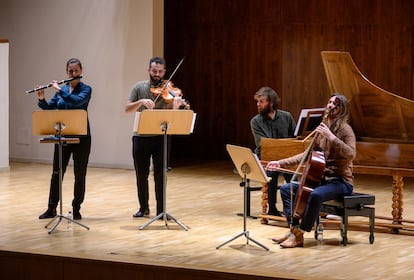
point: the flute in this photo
(49, 85)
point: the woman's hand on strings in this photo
(324, 130)
(272, 165)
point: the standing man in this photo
(146, 146)
(271, 122)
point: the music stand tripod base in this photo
(248, 167)
(165, 218)
(244, 232)
(59, 220)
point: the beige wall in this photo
(4, 105)
(114, 40)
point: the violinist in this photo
(142, 97)
(336, 140)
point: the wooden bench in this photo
(356, 204)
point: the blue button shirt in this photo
(63, 99)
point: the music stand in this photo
(249, 168)
(53, 122)
(164, 122)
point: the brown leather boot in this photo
(294, 240)
(282, 239)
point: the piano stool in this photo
(356, 204)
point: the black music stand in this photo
(249, 168)
(164, 122)
(53, 122)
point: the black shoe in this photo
(140, 214)
(274, 212)
(50, 213)
(77, 215)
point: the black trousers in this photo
(80, 153)
(143, 148)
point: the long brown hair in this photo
(343, 116)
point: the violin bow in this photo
(169, 79)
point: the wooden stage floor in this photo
(205, 197)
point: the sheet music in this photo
(193, 122)
(136, 121)
(314, 113)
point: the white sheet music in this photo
(314, 112)
(193, 122)
(136, 121)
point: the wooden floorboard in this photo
(206, 198)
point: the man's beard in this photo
(265, 111)
(156, 81)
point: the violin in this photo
(166, 90)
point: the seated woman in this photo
(336, 139)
